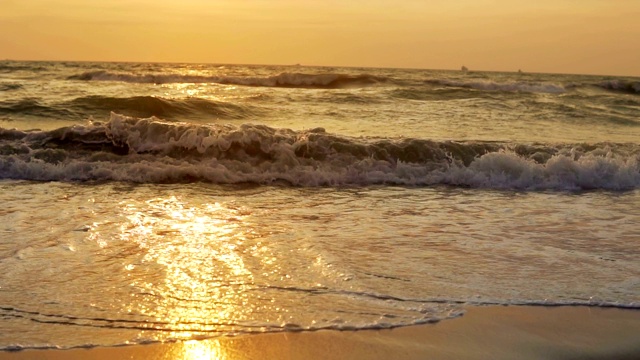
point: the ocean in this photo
(159, 202)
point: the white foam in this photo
(506, 170)
(177, 152)
(496, 171)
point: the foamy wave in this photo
(293, 80)
(506, 170)
(153, 151)
(519, 86)
(425, 311)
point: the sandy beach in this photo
(492, 332)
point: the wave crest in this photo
(153, 151)
(630, 87)
(145, 106)
(32, 107)
(291, 80)
(140, 106)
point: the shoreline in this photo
(483, 332)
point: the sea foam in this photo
(149, 150)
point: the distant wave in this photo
(153, 151)
(146, 106)
(140, 106)
(10, 66)
(291, 80)
(510, 86)
(32, 107)
(631, 87)
(438, 94)
(616, 85)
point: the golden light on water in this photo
(193, 263)
(195, 267)
(188, 89)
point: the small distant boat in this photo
(464, 69)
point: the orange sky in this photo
(569, 36)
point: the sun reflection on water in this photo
(193, 270)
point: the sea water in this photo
(155, 202)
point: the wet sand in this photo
(492, 332)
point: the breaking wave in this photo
(287, 80)
(148, 150)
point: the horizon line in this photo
(468, 70)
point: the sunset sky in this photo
(567, 36)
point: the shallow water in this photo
(158, 262)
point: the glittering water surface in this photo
(134, 263)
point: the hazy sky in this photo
(570, 36)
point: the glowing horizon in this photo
(562, 36)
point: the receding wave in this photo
(290, 80)
(509, 86)
(439, 310)
(153, 151)
(146, 106)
